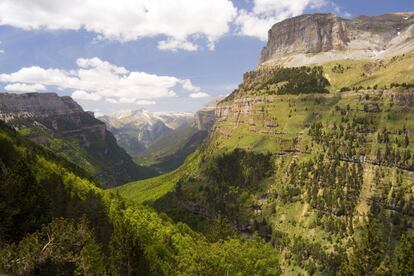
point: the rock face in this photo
(60, 124)
(204, 118)
(323, 37)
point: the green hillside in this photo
(368, 73)
(170, 150)
(98, 154)
(326, 178)
(154, 188)
(54, 221)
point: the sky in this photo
(161, 55)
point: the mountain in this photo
(161, 140)
(317, 159)
(61, 125)
(135, 130)
(319, 38)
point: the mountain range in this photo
(161, 140)
(305, 169)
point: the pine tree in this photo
(404, 256)
(368, 251)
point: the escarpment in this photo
(61, 125)
(318, 38)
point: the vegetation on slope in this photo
(280, 80)
(325, 178)
(154, 188)
(83, 140)
(169, 151)
(355, 74)
(67, 225)
(340, 164)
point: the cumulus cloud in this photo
(111, 100)
(82, 95)
(199, 95)
(96, 80)
(21, 87)
(145, 102)
(265, 13)
(177, 20)
(174, 45)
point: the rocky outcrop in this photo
(317, 38)
(204, 118)
(37, 105)
(306, 34)
(242, 106)
(82, 138)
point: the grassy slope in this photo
(170, 150)
(154, 188)
(168, 144)
(368, 73)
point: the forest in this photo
(282, 81)
(54, 220)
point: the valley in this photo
(61, 125)
(160, 141)
(306, 168)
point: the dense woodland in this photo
(56, 221)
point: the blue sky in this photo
(113, 60)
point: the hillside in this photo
(318, 160)
(335, 161)
(57, 222)
(61, 125)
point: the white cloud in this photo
(95, 80)
(111, 100)
(126, 20)
(98, 114)
(174, 45)
(21, 87)
(199, 95)
(265, 13)
(145, 102)
(82, 95)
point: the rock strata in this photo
(324, 37)
(51, 118)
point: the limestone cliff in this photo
(319, 38)
(204, 118)
(60, 124)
